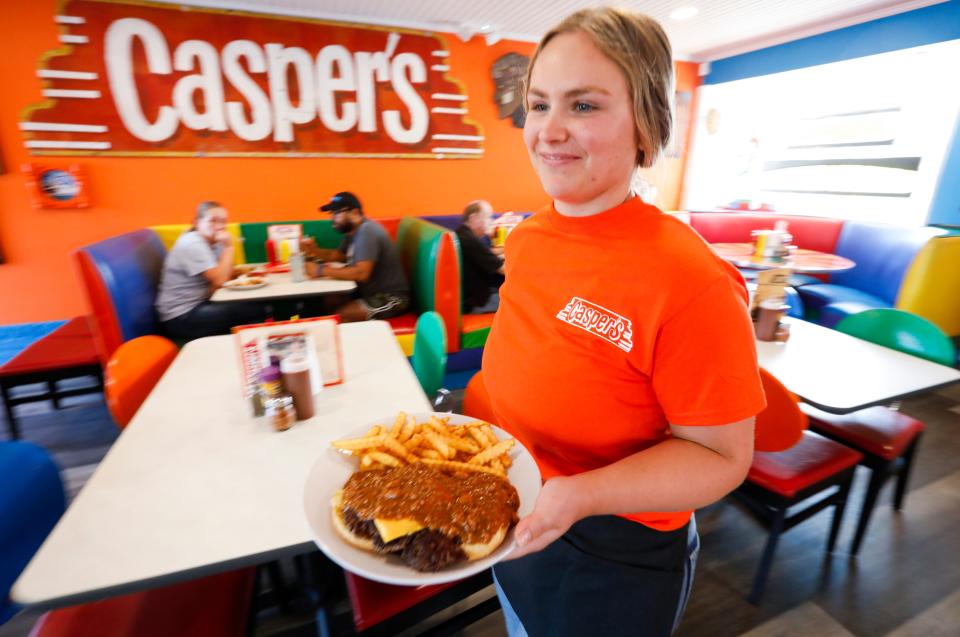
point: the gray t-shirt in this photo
(372, 243)
(182, 284)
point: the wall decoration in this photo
(52, 187)
(508, 72)
(138, 78)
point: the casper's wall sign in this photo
(149, 79)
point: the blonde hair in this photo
(637, 44)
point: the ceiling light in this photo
(684, 13)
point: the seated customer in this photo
(482, 269)
(366, 255)
(198, 263)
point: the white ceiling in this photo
(721, 28)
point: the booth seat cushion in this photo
(883, 254)
(833, 313)
(806, 463)
(818, 296)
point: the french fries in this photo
(472, 447)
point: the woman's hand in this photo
(558, 507)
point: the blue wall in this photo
(928, 25)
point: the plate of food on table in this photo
(245, 282)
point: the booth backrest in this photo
(255, 236)
(931, 288)
(883, 254)
(170, 232)
(120, 276)
(430, 257)
(813, 233)
(450, 222)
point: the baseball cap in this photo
(342, 201)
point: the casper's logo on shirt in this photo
(599, 321)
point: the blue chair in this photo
(31, 502)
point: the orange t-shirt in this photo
(610, 328)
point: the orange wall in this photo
(37, 282)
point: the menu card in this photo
(316, 338)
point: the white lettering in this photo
(339, 87)
(329, 81)
(208, 82)
(259, 124)
(419, 116)
(118, 56)
(285, 114)
(369, 64)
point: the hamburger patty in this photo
(425, 550)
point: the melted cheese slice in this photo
(392, 529)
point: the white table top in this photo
(841, 373)
(196, 485)
(282, 286)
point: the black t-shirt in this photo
(480, 267)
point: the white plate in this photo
(331, 471)
(231, 285)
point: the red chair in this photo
(888, 441)
(384, 609)
(887, 438)
(791, 466)
(214, 606)
(132, 371)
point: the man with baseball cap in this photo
(366, 255)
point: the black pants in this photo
(605, 576)
(212, 319)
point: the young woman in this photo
(622, 355)
(199, 263)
